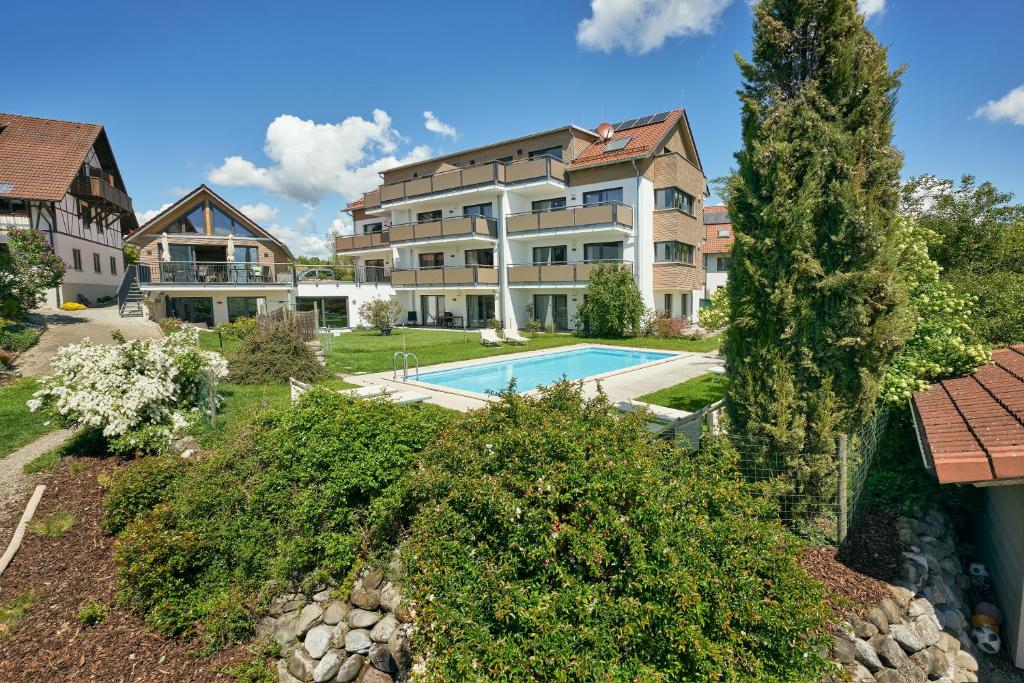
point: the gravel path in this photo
(13, 482)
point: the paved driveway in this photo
(69, 327)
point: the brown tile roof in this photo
(353, 206)
(713, 244)
(972, 428)
(40, 157)
(643, 141)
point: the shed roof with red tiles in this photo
(40, 157)
(353, 206)
(718, 228)
(643, 140)
(971, 429)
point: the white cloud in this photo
(311, 160)
(261, 212)
(147, 216)
(1008, 108)
(436, 125)
(871, 7)
(639, 26)
(302, 242)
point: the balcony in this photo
(363, 242)
(592, 217)
(101, 190)
(448, 276)
(573, 273)
(448, 229)
(493, 173)
(209, 274)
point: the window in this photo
(548, 255)
(113, 265)
(673, 252)
(192, 223)
(673, 198)
(96, 263)
(429, 215)
(478, 210)
(549, 204)
(242, 307)
(617, 144)
(612, 194)
(373, 227)
(76, 259)
(722, 264)
(555, 152)
(668, 305)
(191, 309)
(225, 225)
(432, 260)
(17, 207)
(479, 257)
(602, 251)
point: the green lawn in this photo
(18, 426)
(691, 395)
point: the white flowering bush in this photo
(138, 393)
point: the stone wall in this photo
(921, 632)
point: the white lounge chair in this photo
(371, 391)
(489, 337)
(515, 337)
(404, 398)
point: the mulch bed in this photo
(63, 574)
(856, 574)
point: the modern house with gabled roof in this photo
(61, 178)
(718, 241)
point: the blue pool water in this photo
(536, 371)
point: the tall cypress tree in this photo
(817, 306)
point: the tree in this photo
(612, 305)
(817, 308)
(381, 313)
(27, 268)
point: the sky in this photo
(289, 110)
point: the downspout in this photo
(636, 223)
(502, 279)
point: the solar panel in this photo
(617, 144)
(642, 121)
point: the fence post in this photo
(842, 511)
(212, 388)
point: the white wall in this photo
(714, 277)
(357, 295)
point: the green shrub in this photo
(57, 523)
(291, 499)
(612, 305)
(554, 540)
(93, 613)
(138, 488)
(272, 357)
(168, 325)
(16, 337)
(381, 313)
(240, 328)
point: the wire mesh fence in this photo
(818, 491)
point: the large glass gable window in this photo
(191, 223)
(225, 225)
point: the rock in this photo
(404, 613)
(867, 656)
(861, 674)
(843, 651)
(912, 673)
(398, 645)
(322, 596)
(283, 676)
(901, 596)
(373, 675)
(364, 597)
(891, 610)
(861, 628)
(284, 628)
(335, 613)
(889, 676)
(390, 597)
(908, 636)
(339, 632)
(328, 666)
(877, 617)
(951, 619)
(358, 641)
(970, 677)
(301, 665)
(319, 640)
(350, 669)
(919, 607)
(380, 657)
(948, 643)
(265, 627)
(928, 627)
(372, 578)
(360, 618)
(381, 633)
(288, 602)
(938, 662)
(965, 660)
(308, 618)
(889, 652)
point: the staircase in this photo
(129, 295)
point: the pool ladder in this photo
(405, 356)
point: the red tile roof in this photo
(353, 206)
(40, 157)
(643, 141)
(972, 428)
(713, 244)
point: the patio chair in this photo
(514, 337)
(489, 337)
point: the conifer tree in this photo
(817, 308)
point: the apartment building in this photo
(717, 247)
(512, 230)
(61, 177)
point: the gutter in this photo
(636, 220)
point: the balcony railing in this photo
(481, 175)
(229, 273)
(555, 273)
(369, 240)
(461, 226)
(360, 275)
(608, 214)
(448, 276)
(100, 189)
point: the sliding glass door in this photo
(552, 309)
(480, 310)
(432, 308)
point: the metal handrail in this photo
(130, 276)
(444, 270)
(382, 241)
(621, 216)
(570, 206)
(223, 273)
(404, 355)
(575, 277)
(492, 227)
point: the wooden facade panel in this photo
(678, 276)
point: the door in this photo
(552, 309)
(432, 308)
(481, 310)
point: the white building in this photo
(717, 247)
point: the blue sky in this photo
(291, 108)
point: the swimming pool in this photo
(535, 371)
